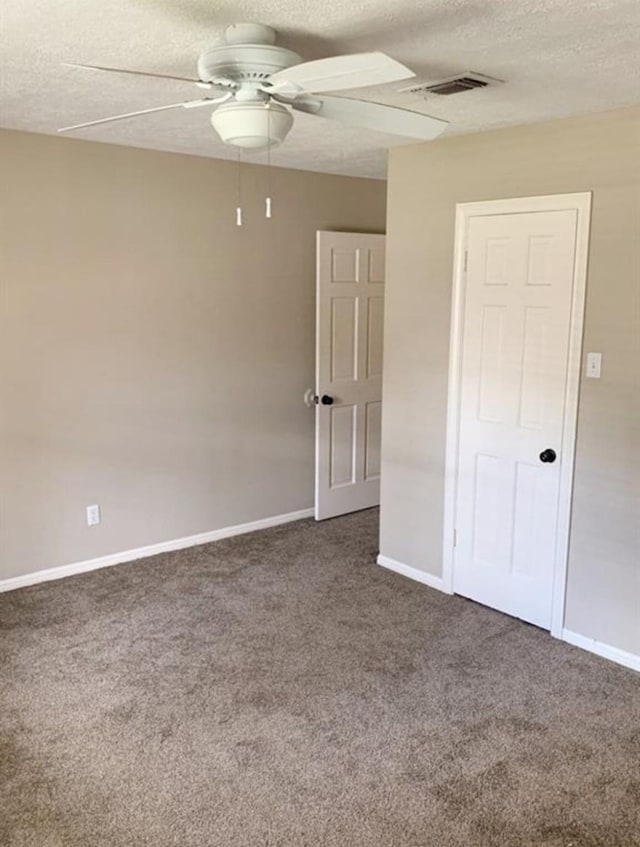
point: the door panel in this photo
(375, 318)
(492, 495)
(372, 446)
(490, 389)
(349, 349)
(514, 363)
(533, 517)
(376, 263)
(343, 436)
(344, 265)
(533, 385)
(344, 338)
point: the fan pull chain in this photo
(239, 192)
(268, 198)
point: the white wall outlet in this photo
(594, 365)
(93, 515)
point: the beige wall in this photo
(599, 153)
(153, 356)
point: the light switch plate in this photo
(93, 515)
(594, 365)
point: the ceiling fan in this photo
(255, 84)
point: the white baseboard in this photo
(614, 654)
(150, 550)
(413, 573)
(621, 657)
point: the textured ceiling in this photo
(557, 57)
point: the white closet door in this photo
(519, 279)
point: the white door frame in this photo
(581, 202)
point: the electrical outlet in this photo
(93, 515)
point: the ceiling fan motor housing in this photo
(252, 125)
(249, 57)
(245, 62)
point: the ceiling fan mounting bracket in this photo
(249, 33)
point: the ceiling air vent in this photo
(453, 85)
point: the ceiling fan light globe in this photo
(252, 125)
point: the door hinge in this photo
(455, 537)
(466, 256)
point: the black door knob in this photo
(326, 400)
(548, 455)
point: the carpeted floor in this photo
(280, 690)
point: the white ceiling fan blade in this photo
(132, 73)
(222, 82)
(189, 104)
(337, 73)
(362, 113)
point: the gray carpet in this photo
(279, 689)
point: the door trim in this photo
(581, 202)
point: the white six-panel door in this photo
(349, 326)
(513, 378)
